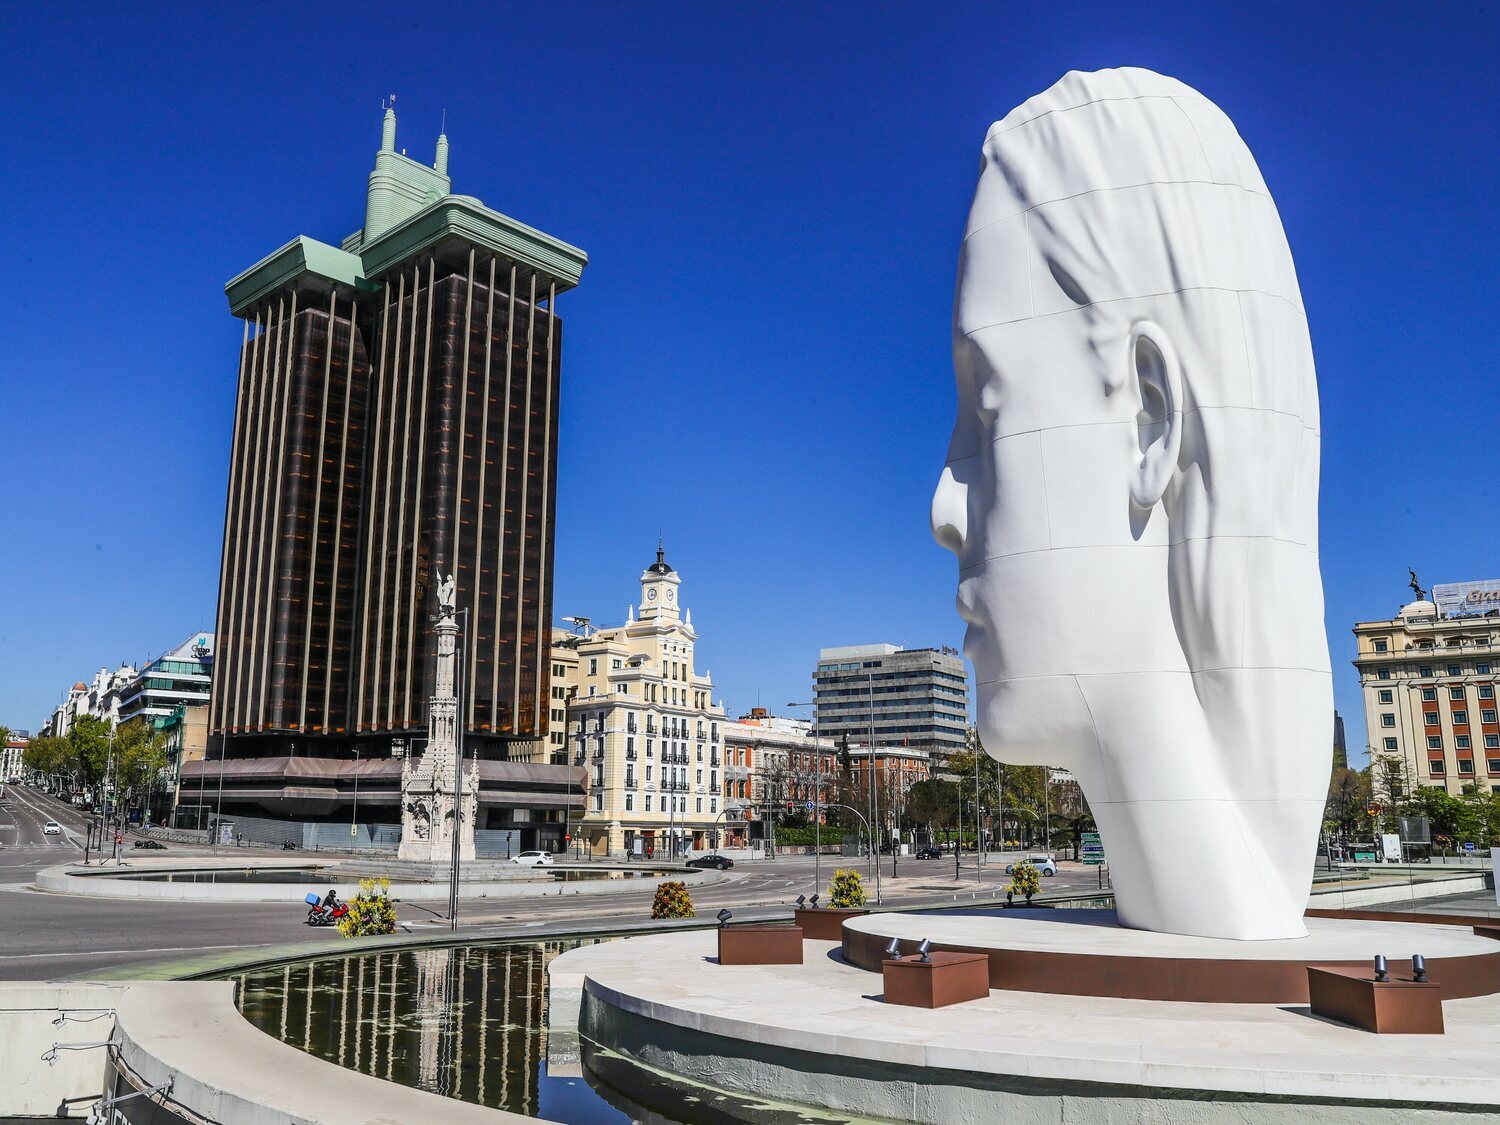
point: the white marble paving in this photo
(829, 1007)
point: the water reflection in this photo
(467, 1022)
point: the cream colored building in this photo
(1429, 694)
(642, 720)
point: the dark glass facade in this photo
(384, 436)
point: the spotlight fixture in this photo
(801, 901)
(724, 916)
(814, 900)
(923, 947)
(1419, 968)
(893, 949)
(1381, 974)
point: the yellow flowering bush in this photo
(371, 912)
(848, 891)
(1024, 881)
(672, 901)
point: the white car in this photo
(533, 859)
(52, 828)
(1044, 864)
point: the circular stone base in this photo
(1086, 953)
(821, 1034)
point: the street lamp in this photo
(817, 798)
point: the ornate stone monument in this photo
(1132, 494)
(428, 795)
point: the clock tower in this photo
(659, 585)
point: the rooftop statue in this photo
(1132, 491)
(445, 595)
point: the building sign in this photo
(1092, 848)
(1467, 599)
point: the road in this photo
(52, 936)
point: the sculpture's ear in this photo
(1156, 378)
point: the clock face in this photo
(671, 596)
(651, 594)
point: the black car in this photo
(721, 862)
(929, 852)
(154, 845)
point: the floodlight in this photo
(923, 947)
(893, 950)
(1419, 968)
(724, 916)
(814, 900)
(801, 901)
(1381, 975)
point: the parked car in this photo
(533, 859)
(52, 828)
(1044, 864)
(153, 845)
(721, 862)
(929, 852)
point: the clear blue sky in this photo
(757, 361)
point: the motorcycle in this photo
(324, 913)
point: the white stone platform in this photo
(818, 1034)
(1096, 933)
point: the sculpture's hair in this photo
(1190, 226)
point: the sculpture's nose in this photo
(950, 512)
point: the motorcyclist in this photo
(330, 901)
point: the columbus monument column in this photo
(428, 797)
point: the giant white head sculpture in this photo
(1132, 489)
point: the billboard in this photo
(1467, 599)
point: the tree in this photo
(48, 756)
(1345, 812)
(139, 756)
(1453, 820)
(932, 803)
(89, 744)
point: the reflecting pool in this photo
(470, 1022)
(218, 875)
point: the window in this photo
(1383, 674)
(616, 663)
(713, 804)
(1386, 696)
(1466, 765)
(1429, 695)
(648, 771)
(1435, 768)
(1387, 719)
(1494, 765)
(699, 779)
(593, 666)
(622, 689)
(698, 804)
(630, 802)
(1430, 718)
(1434, 742)
(1461, 741)
(1390, 744)
(648, 802)
(1455, 693)
(1453, 670)
(1492, 742)
(1382, 645)
(1460, 718)
(598, 802)
(1425, 671)
(1482, 668)
(1487, 715)
(1487, 691)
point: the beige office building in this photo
(642, 720)
(1429, 691)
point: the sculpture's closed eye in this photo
(1067, 284)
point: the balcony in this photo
(631, 755)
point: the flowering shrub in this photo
(672, 901)
(847, 891)
(371, 911)
(1025, 881)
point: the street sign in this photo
(809, 806)
(1091, 849)
(1468, 847)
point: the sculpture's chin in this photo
(1037, 721)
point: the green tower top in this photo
(409, 209)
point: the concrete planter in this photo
(826, 924)
(948, 978)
